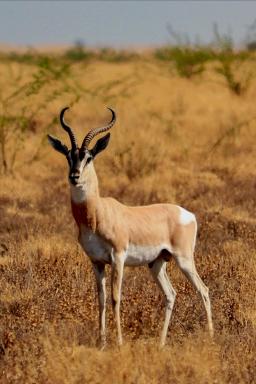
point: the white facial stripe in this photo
(186, 217)
(84, 186)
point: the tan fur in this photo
(183, 237)
(119, 224)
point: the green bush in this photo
(188, 61)
(115, 56)
(78, 53)
(228, 63)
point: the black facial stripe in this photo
(76, 159)
(81, 155)
(75, 155)
(69, 158)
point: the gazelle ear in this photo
(57, 145)
(100, 145)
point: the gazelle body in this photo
(115, 234)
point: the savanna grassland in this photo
(184, 135)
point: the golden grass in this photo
(162, 149)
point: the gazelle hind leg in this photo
(158, 270)
(187, 265)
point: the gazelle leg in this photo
(99, 270)
(187, 265)
(116, 284)
(158, 270)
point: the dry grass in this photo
(189, 142)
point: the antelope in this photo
(119, 235)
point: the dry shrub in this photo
(138, 362)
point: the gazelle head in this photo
(79, 159)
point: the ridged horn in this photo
(68, 129)
(95, 131)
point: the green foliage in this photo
(19, 109)
(188, 61)
(30, 57)
(114, 56)
(188, 58)
(226, 71)
(78, 53)
(228, 63)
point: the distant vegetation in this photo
(189, 58)
(74, 54)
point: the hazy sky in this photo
(119, 22)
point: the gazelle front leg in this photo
(116, 285)
(99, 270)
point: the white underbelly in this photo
(143, 254)
(99, 250)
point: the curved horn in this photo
(68, 129)
(95, 131)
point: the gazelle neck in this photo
(88, 189)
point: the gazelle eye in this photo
(88, 160)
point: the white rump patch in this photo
(186, 217)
